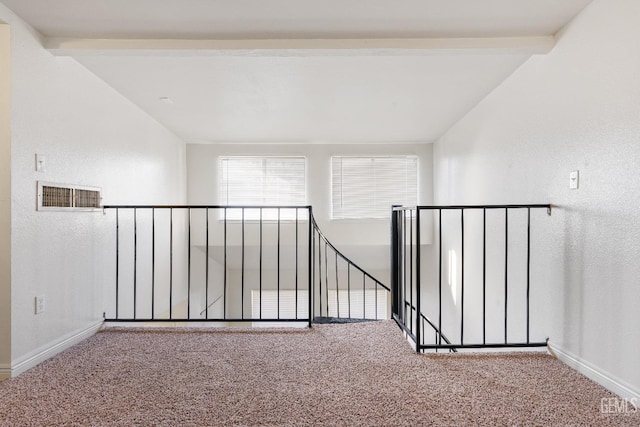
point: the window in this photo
(291, 306)
(359, 303)
(262, 181)
(366, 187)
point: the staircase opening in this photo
(262, 265)
(460, 275)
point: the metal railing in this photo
(213, 263)
(361, 295)
(418, 290)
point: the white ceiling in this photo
(381, 87)
(295, 18)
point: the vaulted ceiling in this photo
(298, 70)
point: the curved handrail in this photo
(353, 264)
(435, 328)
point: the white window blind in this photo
(360, 304)
(366, 187)
(262, 181)
(265, 305)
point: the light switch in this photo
(41, 163)
(573, 180)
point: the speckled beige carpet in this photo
(353, 374)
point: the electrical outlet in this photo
(40, 306)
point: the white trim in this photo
(52, 349)
(69, 46)
(605, 379)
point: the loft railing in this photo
(489, 308)
(180, 263)
(273, 264)
(211, 263)
(361, 295)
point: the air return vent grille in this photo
(67, 197)
(58, 197)
(87, 198)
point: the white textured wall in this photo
(5, 199)
(577, 108)
(91, 135)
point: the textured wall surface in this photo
(577, 108)
(90, 135)
(5, 198)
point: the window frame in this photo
(371, 218)
(253, 206)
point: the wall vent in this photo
(66, 197)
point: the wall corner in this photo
(5, 199)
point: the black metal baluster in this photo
(278, 267)
(404, 270)
(422, 329)
(224, 289)
(411, 271)
(364, 295)
(419, 339)
(506, 268)
(440, 277)
(375, 296)
(326, 274)
(395, 264)
(462, 278)
(135, 260)
(153, 262)
(242, 269)
(337, 288)
(484, 275)
(171, 263)
(528, 265)
(189, 263)
(206, 279)
(296, 263)
(349, 290)
(310, 269)
(260, 268)
(320, 273)
(117, 261)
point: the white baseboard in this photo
(50, 350)
(596, 374)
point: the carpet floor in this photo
(352, 374)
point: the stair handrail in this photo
(345, 258)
